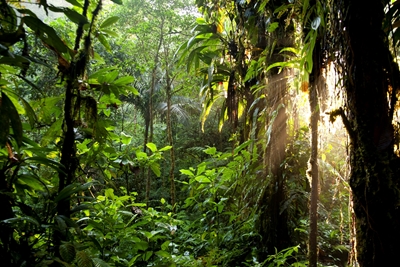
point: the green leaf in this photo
(46, 33)
(67, 252)
(72, 189)
(8, 108)
(210, 151)
(100, 263)
(132, 261)
(165, 245)
(243, 145)
(125, 139)
(273, 26)
(203, 179)
(110, 32)
(187, 172)
(147, 255)
(155, 167)
(81, 207)
(132, 90)
(152, 147)
(31, 180)
(98, 74)
(141, 245)
(163, 254)
(109, 21)
(104, 42)
(124, 80)
(109, 193)
(16, 60)
(119, 2)
(22, 219)
(166, 148)
(83, 259)
(201, 168)
(47, 162)
(74, 16)
(110, 77)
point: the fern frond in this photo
(67, 252)
(83, 259)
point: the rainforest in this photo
(199, 133)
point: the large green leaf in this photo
(12, 115)
(103, 40)
(72, 189)
(46, 33)
(109, 21)
(32, 181)
(152, 147)
(47, 162)
(71, 14)
(27, 219)
(67, 252)
(155, 167)
(124, 80)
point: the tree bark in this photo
(375, 173)
(169, 133)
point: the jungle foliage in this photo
(168, 133)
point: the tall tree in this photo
(371, 81)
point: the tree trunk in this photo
(170, 137)
(68, 160)
(7, 242)
(375, 173)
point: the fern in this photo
(83, 259)
(99, 263)
(67, 252)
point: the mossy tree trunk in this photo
(370, 84)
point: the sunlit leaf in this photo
(152, 147)
(126, 139)
(210, 151)
(187, 172)
(109, 21)
(273, 26)
(203, 179)
(109, 32)
(124, 80)
(166, 148)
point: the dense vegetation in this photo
(168, 133)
